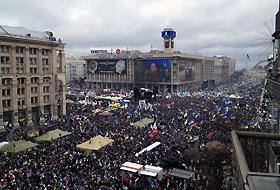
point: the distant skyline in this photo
(217, 27)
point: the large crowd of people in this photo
(185, 123)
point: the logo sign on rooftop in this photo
(168, 34)
(98, 51)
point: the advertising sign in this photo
(168, 34)
(153, 70)
(186, 69)
(106, 66)
(98, 51)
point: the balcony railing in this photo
(273, 89)
(277, 26)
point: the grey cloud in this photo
(211, 27)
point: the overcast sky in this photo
(233, 28)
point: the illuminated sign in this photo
(153, 70)
(168, 34)
(98, 51)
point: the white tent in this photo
(148, 170)
(152, 171)
(234, 96)
(131, 167)
(148, 148)
(3, 143)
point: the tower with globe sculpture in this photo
(168, 35)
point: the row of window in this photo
(20, 81)
(20, 60)
(21, 50)
(20, 70)
(21, 91)
(5, 70)
(21, 101)
(4, 60)
(4, 49)
(32, 51)
(35, 70)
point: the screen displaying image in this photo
(107, 66)
(153, 70)
(186, 69)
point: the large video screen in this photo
(153, 70)
(186, 69)
(106, 66)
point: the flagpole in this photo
(248, 59)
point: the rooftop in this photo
(25, 33)
(260, 181)
(251, 171)
(145, 55)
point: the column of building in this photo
(1, 108)
(277, 60)
(53, 94)
(27, 87)
(62, 79)
(14, 86)
(40, 72)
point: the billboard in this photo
(106, 66)
(153, 70)
(186, 70)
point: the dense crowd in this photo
(185, 124)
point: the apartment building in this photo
(32, 75)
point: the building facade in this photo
(113, 72)
(32, 75)
(218, 70)
(171, 72)
(75, 69)
(224, 68)
(208, 69)
(163, 70)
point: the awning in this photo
(95, 143)
(143, 122)
(180, 173)
(131, 167)
(52, 135)
(17, 146)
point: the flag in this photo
(155, 125)
(248, 57)
(186, 122)
(154, 131)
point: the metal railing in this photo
(273, 89)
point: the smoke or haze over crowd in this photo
(217, 27)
